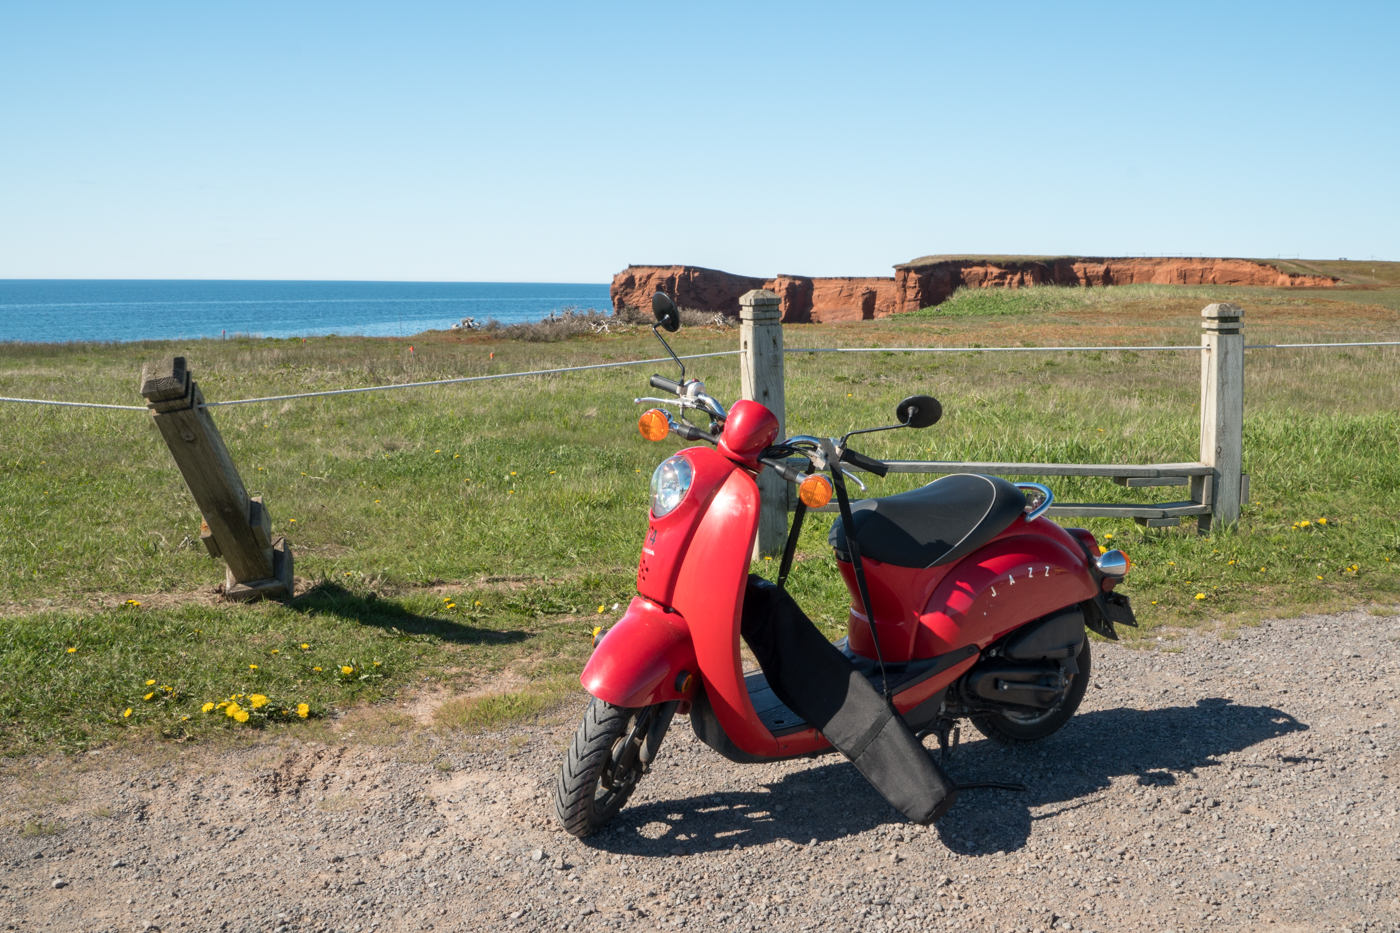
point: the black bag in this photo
(820, 684)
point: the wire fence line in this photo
(966, 349)
(382, 388)
(445, 382)
(693, 356)
(45, 401)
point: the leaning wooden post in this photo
(236, 526)
(1222, 413)
(761, 379)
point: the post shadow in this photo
(830, 799)
(390, 616)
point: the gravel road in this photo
(1243, 784)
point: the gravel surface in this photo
(1209, 785)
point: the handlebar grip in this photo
(690, 432)
(868, 464)
(666, 385)
(783, 470)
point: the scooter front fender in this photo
(645, 658)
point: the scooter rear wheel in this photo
(602, 766)
(1021, 728)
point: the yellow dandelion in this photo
(451, 605)
(1304, 523)
(1200, 595)
(437, 451)
(150, 683)
(223, 703)
(127, 714)
(316, 669)
(305, 646)
(303, 710)
(292, 520)
(184, 719)
(274, 650)
(252, 667)
(207, 708)
(257, 701)
(1154, 602)
(600, 608)
(1319, 578)
(152, 694)
(347, 670)
(376, 663)
(1108, 537)
(478, 602)
(241, 715)
(72, 650)
(1322, 521)
(232, 710)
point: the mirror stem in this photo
(888, 427)
(669, 350)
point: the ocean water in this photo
(51, 311)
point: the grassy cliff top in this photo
(1352, 272)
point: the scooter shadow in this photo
(391, 616)
(829, 799)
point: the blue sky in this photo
(559, 142)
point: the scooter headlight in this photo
(669, 484)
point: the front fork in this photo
(635, 753)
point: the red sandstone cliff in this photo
(804, 300)
(926, 282)
(930, 281)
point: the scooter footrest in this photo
(772, 712)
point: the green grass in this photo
(1044, 299)
(529, 496)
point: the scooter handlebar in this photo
(666, 385)
(868, 464)
(690, 432)
(783, 470)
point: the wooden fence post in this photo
(236, 527)
(1222, 414)
(761, 379)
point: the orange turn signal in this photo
(815, 491)
(654, 424)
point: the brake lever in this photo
(849, 475)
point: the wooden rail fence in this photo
(1216, 484)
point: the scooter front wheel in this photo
(608, 756)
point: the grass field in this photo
(470, 537)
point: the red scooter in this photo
(965, 602)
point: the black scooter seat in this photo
(936, 524)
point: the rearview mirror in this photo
(667, 315)
(918, 411)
